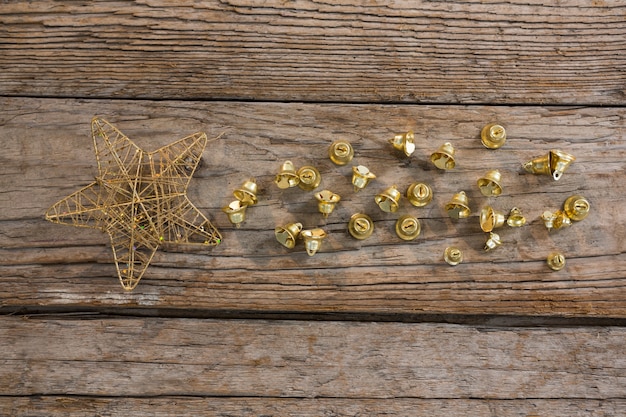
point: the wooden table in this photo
(379, 326)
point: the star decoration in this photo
(139, 199)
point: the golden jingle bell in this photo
(326, 201)
(452, 255)
(576, 207)
(360, 226)
(361, 176)
(404, 142)
(340, 152)
(458, 207)
(313, 240)
(236, 212)
(419, 194)
(288, 234)
(493, 241)
(490, 219)
(247, 192)
(493, 136)
(287, 177)
(516, 219)
(489, 185)
(555, 163)
(556, 261)
(556, 220)
(408, 227)
(310, 178)
(443, 158)
(389, 200)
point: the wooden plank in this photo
(402, 51)
(131, 357)
(48, 154)
(248, 407)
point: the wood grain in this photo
(48, 154)
(403, 51)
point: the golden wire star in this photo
(139, 199)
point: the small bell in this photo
(556, 220)
(490, 219)
(310, 178)
(340, 152)
(493, 241)
(516, 219)
(458, 207)
(361, 176)
(288, 234)
(408, 227)
(326, 201)
(556, 261)
(312, 240)
(287, 177)
(576, 207)
(236, 212)
(453, 256)
(493, 136)
(489, 185)
(419, 194)
(360, 226)
(404, 142)
(443, 158)
(389, 200)
(554, 163)
(247, 192)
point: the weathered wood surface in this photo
(401, 51)
(48, 154)
(340, 367)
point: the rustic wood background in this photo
(373, 327)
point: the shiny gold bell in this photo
(360, 226)
(443, 158)
(389, 200)
(458, 207)
(555, 163)
(493, 241)
(491, 219)
(452, 255)
(408, 227)
(326, 201)
(556, 261)
(310, 178)
(341, 152)
(288, 234)
(576, 207)
(404, 142)
(361, 176)
(493, 136)
(419, 194)
(313, 240)
(236, 212)
(516, 219)
(247, 193)
(287, 177)
(556, 220)
(489, 184)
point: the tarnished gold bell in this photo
(361, 176)
(555, 163)
(452, 255)
(236, 212)
(360, 226)
(493, 136)
(489, 184)
(310, 178)
(576, 207)
(313, 240)
(490, 219)
(493, 241)
(443, 158)
(341, 152)
(288, 234)
(404, 142)
(419, 194)
(458, 207)
(326, 201)
(389, 200)
(287, 177)
(247, 193)
(516, 219)
(556, 261)
(408, 227)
